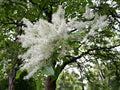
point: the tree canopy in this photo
(63, 44)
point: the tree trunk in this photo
(50, 84)
(12, 74)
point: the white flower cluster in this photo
(88, 13)
(98, 23)
(42, 38)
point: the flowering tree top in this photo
(43, 38)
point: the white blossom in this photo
(88, 13)
(98, 23)
(42, 38)
(58, 17)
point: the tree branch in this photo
(14, 23)
(73, 59)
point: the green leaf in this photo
(38, 84)
(18, 74)
(48, 70)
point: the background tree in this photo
(104, 59)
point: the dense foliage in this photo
(96, 58)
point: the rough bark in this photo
(50, 84)
(12, 74)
